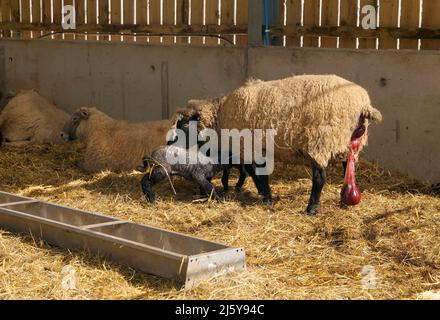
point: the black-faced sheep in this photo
(30, 118)
(160, 168)
(111, 144)
(314, 117)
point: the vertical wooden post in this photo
(168, 17)
(389, 15)
(212, 15)
(242, 13)
(330, 10)
(293, 18)
(155, 18)
(104, 11)
(431, 19)
(255, 23)
(91, 16)
(311, 18)
(409, 18)
(141, 16)
(227, 15)
(348, 18)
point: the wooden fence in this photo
(400, 24)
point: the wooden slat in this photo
(330, 10)
(5, 16)
(91, 16)
(168, 17)
(35, 14)
(212, 16)
(367, 43)
(389, 16)
(227, 15)
(182, 17)
(25, 16)
(293, 18)
(409, 17)
(311, 18)
(154, 15)
(141, 16)
(80, 11)
(115, 17)
(431, 19)
(348, 18)
(197, 18)
(47, 11)
(242, 19)
(128, 17)
(104, 10)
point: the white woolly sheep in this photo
(315, 117)
(30, 118)
(115, 145)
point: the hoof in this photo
(312, 210)
(268, 201)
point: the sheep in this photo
(114, 145)
(315, 117)
(159, 168)
(30, 118)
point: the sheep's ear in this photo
(84, 113)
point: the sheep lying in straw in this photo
(314, 117)
(111, 144)
(30, 118)
(158, 168)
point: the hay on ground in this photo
(394, 232)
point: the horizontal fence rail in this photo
(391, 24)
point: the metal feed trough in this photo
(152, 250)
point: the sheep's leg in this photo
(207, 187)
(250, 170)
(149, 180)
(318, 181)
(264, 185)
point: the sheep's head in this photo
(203, 112)
(71, 126)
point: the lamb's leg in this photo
(207, 187)
(225, 179)
(251, 172)
(148, 181)
(241, 179)
(318, 181)
(202, 191)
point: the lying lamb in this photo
(315, 117)
(159, 168)
(111, 144)
(30, 118)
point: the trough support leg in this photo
(318, 181)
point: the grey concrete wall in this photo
(128, 81)
(403, 85)
(139, 82)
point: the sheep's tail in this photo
(372, 114)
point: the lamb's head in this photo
(69, 131)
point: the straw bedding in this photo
(395, 230)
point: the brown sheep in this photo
(111, 144)
(315, 117)
(30, 118)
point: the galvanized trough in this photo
(152, 250)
